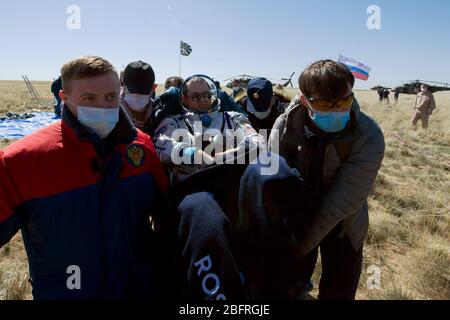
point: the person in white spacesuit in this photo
(192, 146)
(202, 136)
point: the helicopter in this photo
(412, 87)
(433, 86)
(244, 79)
(288, 81)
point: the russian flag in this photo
(359, 70)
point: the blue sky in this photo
(256, 37)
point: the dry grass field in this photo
(408, 236)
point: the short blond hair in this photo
(84, 67)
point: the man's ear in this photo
(303, 99)
(304, 103)
(62, 95)
(154, 87)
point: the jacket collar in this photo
(296, 130)
(124, 132)
(129, 111)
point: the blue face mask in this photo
(331, 121)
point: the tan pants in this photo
(422, 115)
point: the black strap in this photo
(189, 126)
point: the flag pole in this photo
(179, 64)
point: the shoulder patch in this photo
(135, 155)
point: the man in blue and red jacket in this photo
(82, 191)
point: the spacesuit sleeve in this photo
(170, 140)
(246, 135)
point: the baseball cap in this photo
(259, 94)
(139, 77)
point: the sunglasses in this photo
(197, 97)
(323, 105)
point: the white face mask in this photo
(137, 102)
(100, 120)
(262, 115)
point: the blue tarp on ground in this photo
(16, 129)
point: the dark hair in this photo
(177, 80)
(326, 78)
(184, 89)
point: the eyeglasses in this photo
(323, 105)
(197, 97)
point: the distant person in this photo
(386, 95)
(380, 94)
(121, 77)
(82, 191)
(424, 106)
(396, 95)
(262, 105)
(174, 82)
(55, 88)
(227, 103)
(416, 89)
(136, 95)
(237, 88)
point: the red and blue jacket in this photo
(83, 206)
